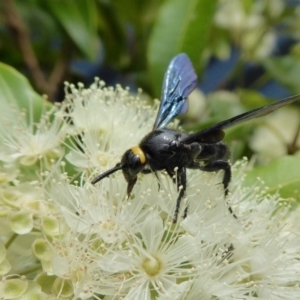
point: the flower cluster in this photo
(270, 139)
(248, 25)
(64, 238)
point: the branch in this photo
(45, 85)
(60, 68)
(18, 27)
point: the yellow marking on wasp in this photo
(140, 153)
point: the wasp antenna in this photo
(107, 173)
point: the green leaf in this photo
(79, 19)
(182, 26)
(112, 32)
(15, 90)
(281, 175)
(252, 99)
(285, 70)
(140, 15)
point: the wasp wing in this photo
(215, 133)
(179, 81)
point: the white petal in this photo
(139, 292)
(152, 232)
(176, 291)
(60, 266)
(119, 262)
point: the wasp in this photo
(175, 151)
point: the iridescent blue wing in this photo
(215, 133)
(179, 81)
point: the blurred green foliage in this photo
(139, 38)
(23, 97)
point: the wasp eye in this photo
(134, 161)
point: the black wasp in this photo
(175, 151)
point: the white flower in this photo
(131, 248)
(80, 241)
(24, 141)
(248, 25)
(103, 211)
(155, 262)
(230, 15)
(272, 140)
(104, 122)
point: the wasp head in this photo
(133, 161)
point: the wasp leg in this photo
(130, 185)
(172, 175)
(228, 253)
(148, 171)
(181, 188)
(215, 166)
